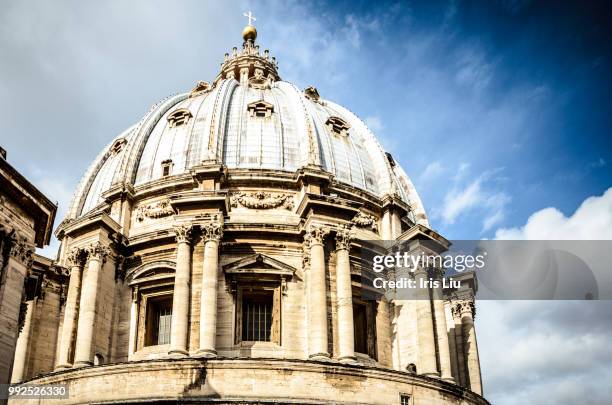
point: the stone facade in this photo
(26, 219)
(237, 285)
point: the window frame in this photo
(276, 324)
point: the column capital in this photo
(22, 251)
(344, 236)
(315, 234)
(98, 251)
(76, 257)
(212, 230)
(183, 233)
(462, 307)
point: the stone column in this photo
(425, 328)
(470, 346)
(385, 229)
(212, 233)
(317, 294)
(180, 297)
(133, 323)
(17, 253)
(396, 224)
(76, 261)
(346, 332)
(461, 368)
(441, 329)
(23, 342)
(83, 356)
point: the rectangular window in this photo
(159, 321)
(257, 315)
(361, 328)
(404, 399)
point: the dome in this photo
(247, 119)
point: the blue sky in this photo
(498, 110)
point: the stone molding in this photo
(155, 210)
(262, 200)
(183, 233)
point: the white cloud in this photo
(433, 170)
(592, 220)
(550, 351)
(477, 195)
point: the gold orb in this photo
(249, 32)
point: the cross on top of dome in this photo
(250, 16)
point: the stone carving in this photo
(183, 233)
(315, 234)
(343, 239)
(22, 251)
(465, 306)
(364, 220)
(262, 200)
(154, 210)
(76, 257)
(98, 251)
(212, 231)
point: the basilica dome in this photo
(219, 251)
(248, 118)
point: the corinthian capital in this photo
(22, 251)
(76, 257)
(462, 307)
(315, 234)
(344, 237)
(212, 231)
(183, 233)
(98, 251)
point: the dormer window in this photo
(118, 146)
(337, 126)
(312, 93)
(166, 167)
(390, 159)
(260, 108)
(200, 87)
(179, 117)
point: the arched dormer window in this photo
(179, 117)
(260, 108)
(337, 125)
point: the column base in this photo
(319, 356)
(432, 374)
(206, 353)
(62, 367)
(178, 353)
(348, 360)
(449, 379)
(82, 363)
